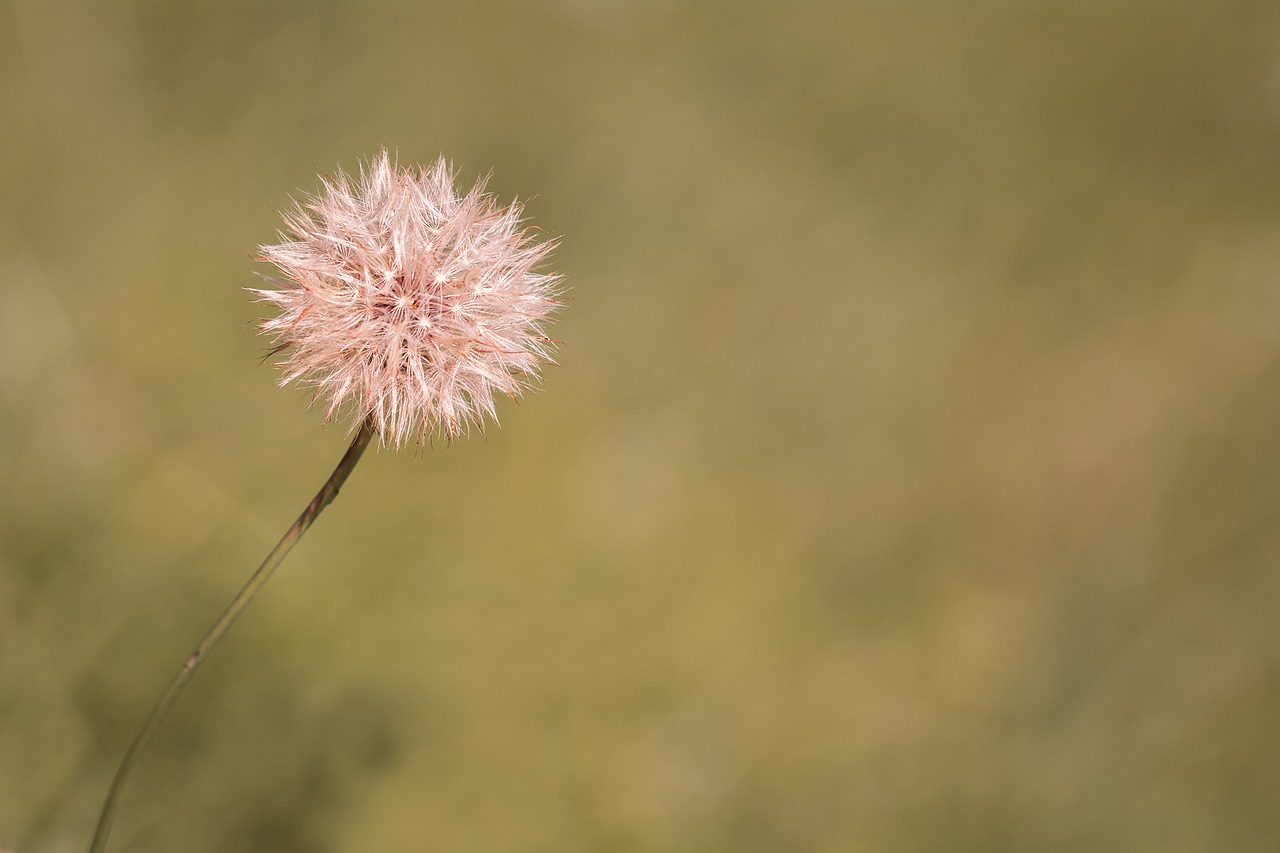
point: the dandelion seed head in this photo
(407, 302)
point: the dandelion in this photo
(407, 301)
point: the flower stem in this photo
(323, 498)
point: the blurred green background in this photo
(910, 480)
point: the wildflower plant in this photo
(408, 306)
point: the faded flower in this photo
(409, 301)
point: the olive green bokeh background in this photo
(910, 480)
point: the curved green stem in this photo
(323, 498)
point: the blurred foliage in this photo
(910, 481)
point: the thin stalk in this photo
(323, 498)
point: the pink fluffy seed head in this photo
(406, 302)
